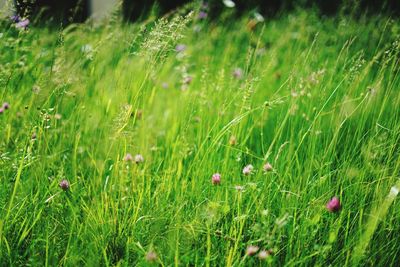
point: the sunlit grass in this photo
(316, 98)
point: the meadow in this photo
(185, 141)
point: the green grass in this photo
(319, 99)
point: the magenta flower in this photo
(248, 169)
(64, 185)
(251, 250)
(267, 167)
(333, 205)
(23, 24)
(216, 179)
(139, 159)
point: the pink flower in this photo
(333, 205)
(216, 179)
(6, 105)
(263, 254)
(248, 169)
(64, 185)
(1, 110)
(267, 167)
(237, 73)
(251, 250)
(128, 157)
(151, 256)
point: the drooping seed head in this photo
(248, 169)
(216, 179)
(267, 167)
(251, 250)
(333, 205)
(139, 159)
(64, 185)
(232, 140)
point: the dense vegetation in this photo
(113, 136)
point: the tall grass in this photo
(317, 98)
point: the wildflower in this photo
(237, 73)
(267, 167)
(23, 24)
(180, 48)
(239, 188)
(139, 159)
(248, 169)
(151, 256)
(251, 250)
(333, 205)
(263, 254)
(216, 179)
(187, 80)
(6, 105)
(1, 110)
(202, 15)
(15, 18)
(64, 185)
(128, 157)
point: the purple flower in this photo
(248, 169)
(139, 159)
(6, 105)
(216, 179)
(23, 24)
(15, 18)
(180, 48)
(202, 15)
(237, 73)
(64, 185)
(333, 205)
(267, 167)
(251, 250)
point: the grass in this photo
(318, 98)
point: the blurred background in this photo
(67, 11)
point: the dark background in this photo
(66, 11)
